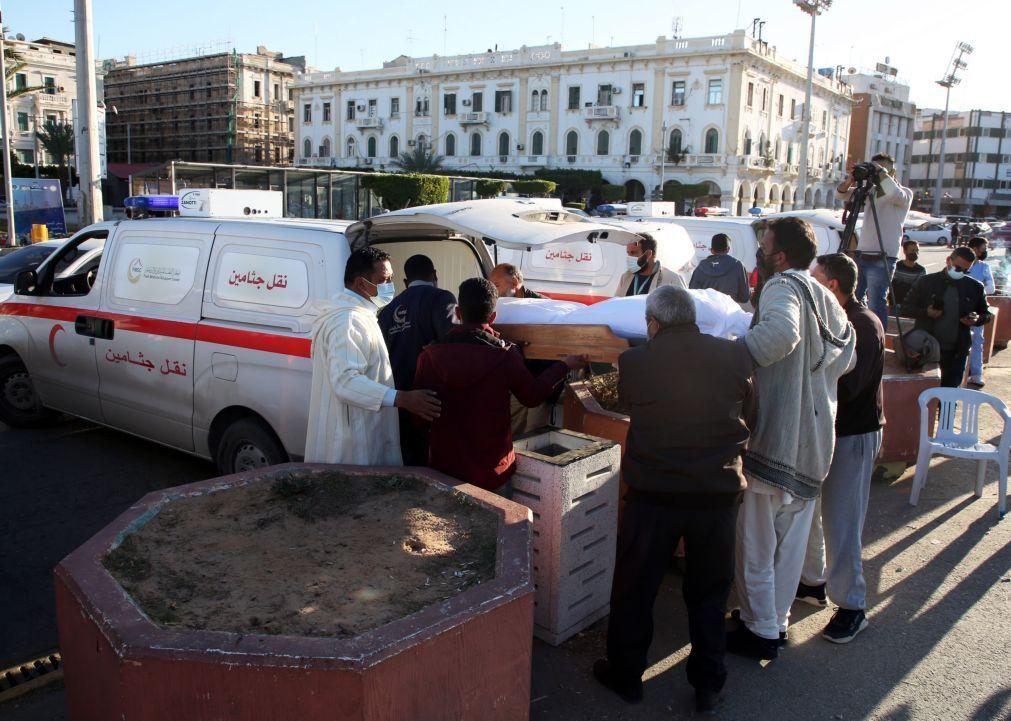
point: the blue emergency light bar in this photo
(152, 202)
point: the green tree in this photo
(58, 140)
(408, 190)
(490, 188)
(419, 160)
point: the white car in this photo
(929, 234)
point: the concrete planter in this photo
(1002, 323)
(570, 482)
(466, 657)
(901, 391)
(584, 414)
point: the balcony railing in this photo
(368, 122)
(59, 99)
(692, 160)
(600, 112)
(533, 161)
(473, 118)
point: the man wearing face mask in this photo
(907, 271)
(644, 270)
(683, 469)
(980, 270)
(947, 304)
(352, 411)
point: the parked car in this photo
(929, 234)
(194, 332)
(1001, 236)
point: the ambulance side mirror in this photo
(26, 282)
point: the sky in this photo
(918, 36)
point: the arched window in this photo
(712, 141)
(324, 149)
(761, 144)
(537, 143)
(307, 148)
(450, 145)
(394, 146)
(352, 147)
(789, 153)
(535, 101)
(675, 142)
(503, 144)
(572, 143)
(371, 147)
(544, 100)
(475, 144)
(603, 143)
(422, 141)
(779, 149)
(635, 142)
(747, 142)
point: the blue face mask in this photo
(385, 292)
(955, 274)
(633, 263)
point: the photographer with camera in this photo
(876, 254)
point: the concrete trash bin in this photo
(570, 482)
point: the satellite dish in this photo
(852, 71)
(20, 36)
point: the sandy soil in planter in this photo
(604, 389)
(310, 554)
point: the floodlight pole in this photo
(814, 8)
(950, 80)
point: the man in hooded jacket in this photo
(474, 372)
(721, 271)
(352, 411)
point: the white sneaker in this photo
(976, 381)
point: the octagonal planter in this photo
(1002, 323)
(585, 415)
(900, 390)
(465, 657)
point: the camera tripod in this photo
(865, 176)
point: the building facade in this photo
(223, 108)
(49, 73)
(883, 119)
(724, 110)
(977, 162)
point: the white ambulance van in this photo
(194, 332)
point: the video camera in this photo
(865, 173)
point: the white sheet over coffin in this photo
(716, 314)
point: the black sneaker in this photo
(742, 642)
(708, 702)
(784, 637)
(814, 595)
(630, 689)
(845, 625)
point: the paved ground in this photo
(939, 578)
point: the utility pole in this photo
(950, 80)
(663, 155)
(814, 8)
(8, 182)
(89, 207)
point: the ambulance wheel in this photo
(246, 445)
(20, 405)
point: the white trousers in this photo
(772, 531)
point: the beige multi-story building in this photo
(883, 119)
(724, 110)
(50, 68)
(223, 108)
(977, 162)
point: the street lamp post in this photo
(8, 182)
(950, 80)
(814, 8)
(663, 155)
(89, 174)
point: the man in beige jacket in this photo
(644, 270)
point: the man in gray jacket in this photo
(802, 344)
(722, 271)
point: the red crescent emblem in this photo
(52, 344)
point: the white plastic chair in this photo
(962, 441)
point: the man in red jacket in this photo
(473, 371)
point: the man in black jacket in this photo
(423, 313)
(721, 271)
(683, 468)
(834, 551)
(947, 304)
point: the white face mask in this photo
(633, 263)
(385, 292)
(955, 274)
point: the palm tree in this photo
(58, 140)
(12, 63)
(419, 160)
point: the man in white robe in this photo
(352, 413)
